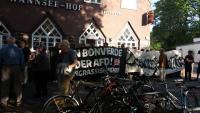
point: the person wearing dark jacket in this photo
(41, 67)
(11, 63)
(189, 60)
(27, 53)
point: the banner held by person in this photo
(92, 61)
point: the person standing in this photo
(12, 62)
(162, 64)
(54, 53)
(27, 53)
(66, 63)
(41, 67)
(189, 60)
(198, 67)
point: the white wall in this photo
(196, 39)
(194, 47)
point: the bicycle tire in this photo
(96, 108)
(192, 100)
(59, 104)
(171, 105)
(114, 106)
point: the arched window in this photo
(92, 35)
(46, 34)
(127, 37)
(4, 33)
(93, 1)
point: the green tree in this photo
(176, 22)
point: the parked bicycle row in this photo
(121, 95)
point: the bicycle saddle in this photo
(179, 82)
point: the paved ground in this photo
(30, 104)
(34, 105)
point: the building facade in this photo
(82, 22)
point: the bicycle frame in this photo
(180, 104)
(177, 103)
(73, 102)
(83, 101)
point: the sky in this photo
(153, 1)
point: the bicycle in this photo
(115, 97)
(130, 96)
(182, 104)
(74, 103)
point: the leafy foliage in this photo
(176, 22)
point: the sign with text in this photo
(50, 3)
(93, 60)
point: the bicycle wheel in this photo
(116, 106)
(192, 100)
(171, 105)
(59, 104)
(96, 108)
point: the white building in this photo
(195, 47)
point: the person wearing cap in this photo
(189, 60)
(162, 64)
(66, 63)
(11, 61)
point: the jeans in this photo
(162, 74)
(11, 81)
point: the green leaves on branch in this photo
(176, 22)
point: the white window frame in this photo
(126, 41)
(47, 35)
(129, 4)
(3, 34)
(97, 36)
(93, 1)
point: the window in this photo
(93, 1)
(129, 4)
(92, 35)
(46, 34)
(4, 33)
(127, 37)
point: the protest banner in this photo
(93, 60)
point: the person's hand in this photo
(70, 66)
